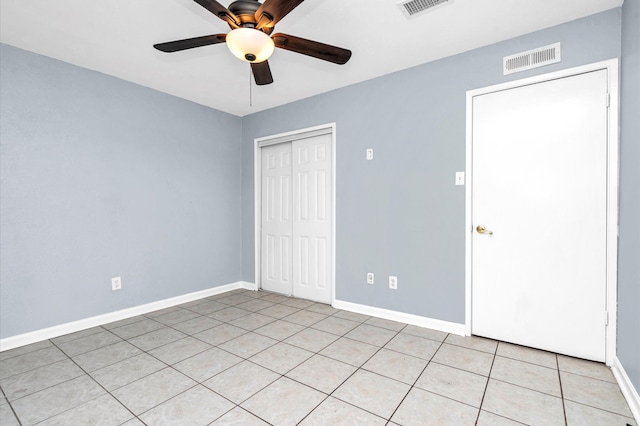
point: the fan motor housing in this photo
(245, 10)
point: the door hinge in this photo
(608, 99)
(606, 317)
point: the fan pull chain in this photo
(250, 88)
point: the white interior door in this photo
(539, 187)
(312, 218)
(277, 229)
(296, 217)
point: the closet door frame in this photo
(291, 136)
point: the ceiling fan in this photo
(250, 38)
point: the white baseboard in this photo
(434, 324)
(628, 390)
(72, 327)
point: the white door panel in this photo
(540, 185)
(311, 218)
(277, 230)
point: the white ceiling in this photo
(115, 37)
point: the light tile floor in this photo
(255, 358)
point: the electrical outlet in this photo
(393, 282)
(370, 278)
(116, 283)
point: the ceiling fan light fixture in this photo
(250, 45)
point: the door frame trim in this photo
(258, 144)
(613, 142)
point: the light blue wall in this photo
(103, 178)
(401, 214)
(629, 249)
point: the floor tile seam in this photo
(221, 343)
(256, 415)
(502, 417)
(314, 408)
(93, 399)
(221, 371)
(334, 332)
(588, 377)
(225, 413)
(169, 309)
(527, 362)
(393, 378)
(28, 352)
(289, 370)
(104, 347)
(79, 331)
(564, 408)
(71, 355)
(44, 365)
(332, 393)
(227, 321)
(527, 388)
(46, 388)
(117, 362)
(471, 349)
(199, 331)
(154, 331)
(599, 408)
(254, 393)
(240, 356)
(486, 386)
(141, 334)
(143, 352)
(14, 412)
(84, 372)
(422, 337)
(141, 316)
(404, 353)
(37, 368)
(412, 386)
(165, 363)
(294, 334)
(305, 325)
(166, 400)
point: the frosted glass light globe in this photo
(250, 45)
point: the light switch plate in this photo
(459, 178)
(369, 153)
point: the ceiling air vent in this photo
(531, 59)
(412, 8)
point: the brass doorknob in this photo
(480, 229)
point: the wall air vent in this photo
(412, 8)
(531, 59)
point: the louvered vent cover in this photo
(413, 8)
(531, 59)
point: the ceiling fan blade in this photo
(190, 43)
(262, 73)
(272, 11)
(220, 11)
(326, 52)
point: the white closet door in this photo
(277, 229)
(312, 221)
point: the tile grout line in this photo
(564, 408)
(86, 373)
(487, 385)
(417, 378)
(10, 406)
